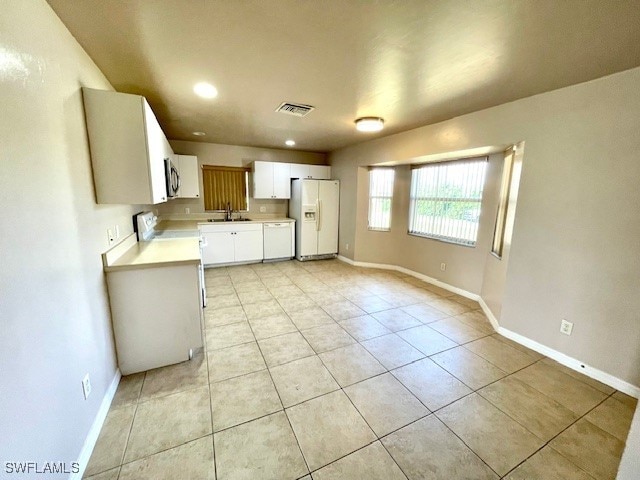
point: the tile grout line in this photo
(135, 413)
(280, 400)
(213, 441)
(547, 443)
(191, 440)
(460, 344)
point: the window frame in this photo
(247, 172)
(413, 200)
(372, 171)
(500, 228)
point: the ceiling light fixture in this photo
(369, 124)
(289, 143)
(199, 134)
(205, 90)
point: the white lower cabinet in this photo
(157, 315)
(232, 243)
(248, 246)
(219, 247)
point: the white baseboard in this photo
(489, 314)
(425, 278)
(346, 260)
(567, 361)
(572, 363)
(94, 432)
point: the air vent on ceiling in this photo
(296, 109)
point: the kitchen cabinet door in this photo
(128, 148)
(271, 180)
(320, 172)
(281, 180)
(159, 150)
(262, 180)
(189, 178)
(316, 172)
(219, 247)
(299, 170)
(248, 246)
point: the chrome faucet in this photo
(228, 212)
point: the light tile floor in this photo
(322, 371)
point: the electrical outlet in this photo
(86, 386)
(110, 236)
(443, 266)
(566, 327)
(117, 232)
(263, 209)
(187, 210)
(347, 247)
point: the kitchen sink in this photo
(216, 220)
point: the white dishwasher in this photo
(278, 240)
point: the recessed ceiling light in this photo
(205, 90)
(289, 143)
(199, 134)
(369, 124)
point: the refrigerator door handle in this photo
(318, 218)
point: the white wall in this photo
(236, 156)
(55, 323)
(575, 251)
(495, 269)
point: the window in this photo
(446, 199)
(380, 196)
(508, 199)
(501, 219)
(224, 185)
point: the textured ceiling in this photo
(413, 62)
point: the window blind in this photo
(380, 198)
(224, 185)
(446, 200)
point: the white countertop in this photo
(131, 254)
(165, 225)
(153, 254)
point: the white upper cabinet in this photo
(128, 148)
(189, 180)
(299, 171)
(281, 180)
(271, 180)
(317, 172)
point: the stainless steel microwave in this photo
(172, 177)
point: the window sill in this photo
(443, 240)
(371, 229)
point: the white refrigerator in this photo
(314, 204)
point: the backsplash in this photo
(179, 206)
